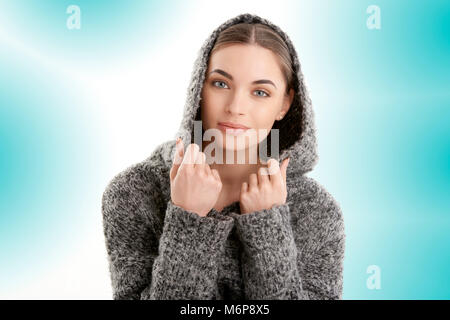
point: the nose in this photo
(237, 104)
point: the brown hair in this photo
(262, 35)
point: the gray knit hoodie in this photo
(157, 250)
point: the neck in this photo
(234, 174)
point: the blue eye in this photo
(214, 83)
(266, 94)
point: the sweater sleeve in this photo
(292, 262)
(186, 267)
(181, 264)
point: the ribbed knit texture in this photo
(157, 250)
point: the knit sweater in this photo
(158, 250)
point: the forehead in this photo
(247, 62)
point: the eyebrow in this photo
(229, 76)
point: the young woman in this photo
(186, 223)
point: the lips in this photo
(233, 125)
(232, 128)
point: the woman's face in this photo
(243, 85)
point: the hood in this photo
(297, 137)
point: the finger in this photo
(263, 176)
(191, 155)
(208, 169)
(180, 151)
(200, 162)
(283, 169)
(273, 167)
(177, 159)
(274, 170)
(199, 159)
(215, 174)
(244, 187)
(253, 181)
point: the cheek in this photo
(212, 104)
(210, 112)
(263, 122)
(264, 119)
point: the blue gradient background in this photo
(382, 104)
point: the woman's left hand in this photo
(265, 189)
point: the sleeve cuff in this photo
(201, 234)
(264, 229)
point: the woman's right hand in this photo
(194, 186)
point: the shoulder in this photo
(306, 189)
(139, 182)
(313, 208)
